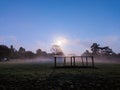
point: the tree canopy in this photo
(4, 52)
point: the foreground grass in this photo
(45, 77)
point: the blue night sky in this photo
(72, 24)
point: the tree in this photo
(95, 48)
(29, 54)
(38, 52)
(21, 50)
(56, 49)
(13, 52)
(4, 52)
(106, 51)
(86, 53)
(44, 53)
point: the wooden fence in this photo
(82, 61)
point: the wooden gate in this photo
(74, 61)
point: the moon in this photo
(61, 41)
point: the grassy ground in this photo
(45, 77)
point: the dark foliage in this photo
(29, 54)
(4, 52)
(97, 50)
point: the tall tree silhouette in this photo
(38, 52)
(95, 48)
(13, 52)
(56, 49)
(21, 52)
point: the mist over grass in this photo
(106, 59)
(97, 59)
(33, 60)
(39, 74)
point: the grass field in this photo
(43, 76)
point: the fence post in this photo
(86, 61)
(64, 61)
(82, 61)
(71, 61)
(55, 61)
(74, 60)
(92, 61)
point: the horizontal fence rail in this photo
(74, 61)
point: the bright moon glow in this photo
(61, 41)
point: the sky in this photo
(72, 24)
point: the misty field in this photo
(43, 76)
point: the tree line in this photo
(97, 50)
(7, 53)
